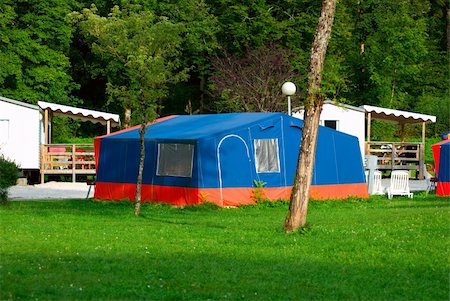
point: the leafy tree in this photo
(432, 92)
(34, 43)
(253, 82)
(199, 43)
(142, 50)
(254, 24)
(198, 30)
(392, 49)
(9, 173)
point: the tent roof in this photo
(438, 144)
(193, 127)
(397, 115)
(80, 114)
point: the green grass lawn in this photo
(352, 250)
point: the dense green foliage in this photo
(390, 53)
(352, 250)
(34, 47)
(139, 51)
(9, 173)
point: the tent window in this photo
(266, 155)
(175, 160)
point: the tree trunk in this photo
(127, 118)
(302, 182)
(137, 203)
(202, 94)
(448, 28)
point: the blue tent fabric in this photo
(444, 163)
(224, 152)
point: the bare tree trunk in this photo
(202, 94)
(127, 118)
(300, 191)
(448, 28)
(137, 202)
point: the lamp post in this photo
(288, 89)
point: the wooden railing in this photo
(67, 159)
(398, 155)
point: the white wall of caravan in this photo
(350, 120)
(20, 128)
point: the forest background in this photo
(232, 56)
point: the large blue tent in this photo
(224, 158)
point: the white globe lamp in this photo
(288, 89)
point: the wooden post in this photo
(51, 129)
(46, 126)
(422, 154)
(43, 156)
(73, 164)
(423, 132)
(393, 156)
(44, 146)
(369, 122)
(108, 127)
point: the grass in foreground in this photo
(352, 250)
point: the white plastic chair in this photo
(399, 184)
(377, 187)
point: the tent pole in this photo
(108, 127)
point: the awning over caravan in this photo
(53, 109)
(397, 115)
(80, 114)
(400, 117)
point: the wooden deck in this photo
(398, 155)
(67, 159)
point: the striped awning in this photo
(80, 114)
(397, 115)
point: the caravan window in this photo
(266, 155)
(332, 124)
(175, 160)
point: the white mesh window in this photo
(175, 160)
(266, 155)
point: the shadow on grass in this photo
(193, 275)
(420, 202)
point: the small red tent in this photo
(441, 153)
